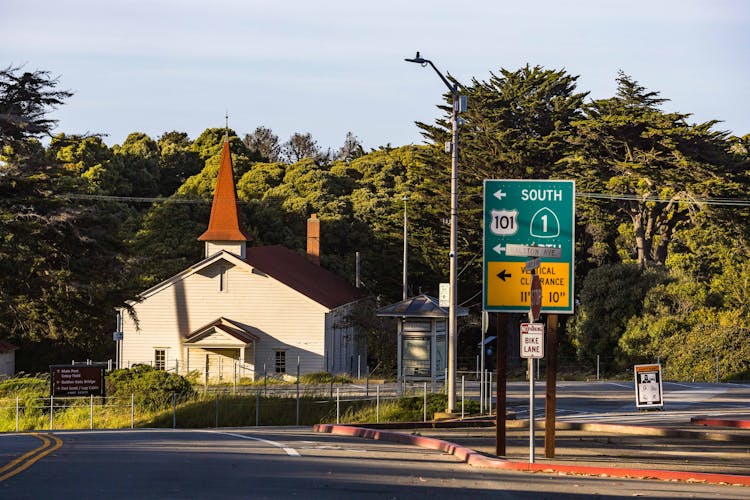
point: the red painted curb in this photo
(718, 422)
(476, 459)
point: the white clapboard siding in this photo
(282, 318)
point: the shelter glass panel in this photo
(416, 356)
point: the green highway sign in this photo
(525, 220)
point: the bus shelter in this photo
(422, 337)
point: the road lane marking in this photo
(289, 451)
(50, 443)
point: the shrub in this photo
(151, 388)
(324, 378)
(25, 385)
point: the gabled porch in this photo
(222, 350)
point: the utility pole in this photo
(458, 106)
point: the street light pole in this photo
(405, 287)
(453, 256)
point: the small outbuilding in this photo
(422, 337)
(7, 359)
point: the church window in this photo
(223, 279)
(160, 359)
(280, 361)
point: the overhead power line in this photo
(132, 199)
(728, 202)
(734, 202)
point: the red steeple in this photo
(224, 224)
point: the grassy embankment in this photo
(25, 403)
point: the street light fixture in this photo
(452, 330)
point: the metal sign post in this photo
(525, 222)
(531, 410)
(532, 347)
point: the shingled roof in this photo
(297, 272)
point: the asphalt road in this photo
(287, 463)
(295, 462)
(577, 401)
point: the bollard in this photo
(425, 402)
(132, 411)
(217, 411)
(338, 404)
(174, 410)
(489, 394)
(297, 390)
(16, 413)
(51, 410)
(91, 411)
(377, 404)
(462, 397)
(257, 408)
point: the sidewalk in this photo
(680, 450)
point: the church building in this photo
(244, 311)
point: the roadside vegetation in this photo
(143, 397)
(662, 236)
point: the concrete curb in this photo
(719, 422)
(476, 459)
(637, 430)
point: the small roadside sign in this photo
(444, 294)
(532, 340)
(77, 380)
(648, 387)
(532, 264)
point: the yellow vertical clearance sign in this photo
(528, 224)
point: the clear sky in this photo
(331, 66)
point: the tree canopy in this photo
(662, 216)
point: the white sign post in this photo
(532, 347)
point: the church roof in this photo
(236, 330)
(297, 272)
(421, 306)
(224, 224)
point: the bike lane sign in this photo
(525, 219)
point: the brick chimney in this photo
(313, 239)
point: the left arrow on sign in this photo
(502, 275)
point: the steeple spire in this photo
(226, 126)
(224, 231)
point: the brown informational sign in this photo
(77, 380)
